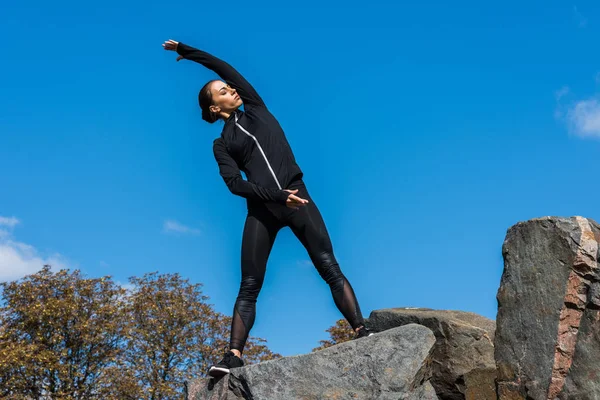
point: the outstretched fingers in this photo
(170, 44)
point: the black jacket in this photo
(251, 141)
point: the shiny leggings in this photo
(260, 229)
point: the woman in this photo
(253, 141)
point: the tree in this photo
(339, 333)
(173, 336)
(63, 336)
(59, 333)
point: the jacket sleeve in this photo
(229, 74)
(230, 173)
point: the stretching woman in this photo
(253, 141)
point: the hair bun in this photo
(209, 116)
(205, 101)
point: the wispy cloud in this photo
(584, 118)
(18, 259)
(579, 18)
(558, 95)
(9, 221)
(562, 92)
(172, 226)
(581, 116)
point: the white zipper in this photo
(260, 148)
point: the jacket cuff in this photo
(283, 196)
(183, 49)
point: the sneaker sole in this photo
(217, 371)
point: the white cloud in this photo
(9, 221)
(172, 226)
(584, 118)
(18, 259)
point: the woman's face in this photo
(224, 97)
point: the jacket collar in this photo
(231, 118)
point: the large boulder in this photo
(394, 364)
(548, 324)
(463, 355)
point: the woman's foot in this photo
(363, 331)
(230, 360)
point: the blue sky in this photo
(424, 131)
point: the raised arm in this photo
(229, 74)
(237, 185)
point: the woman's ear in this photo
(215, 109)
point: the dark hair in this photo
(205, 100)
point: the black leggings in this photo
(262, 224)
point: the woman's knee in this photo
(250, 287)
(328, 268)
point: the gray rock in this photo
(548, 322)
(394, 364)
(463, 355)
(209, 389)
(425, 392)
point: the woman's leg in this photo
(258, 237)
(309, 227)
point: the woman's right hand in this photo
(294, 201)
(172, 45)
